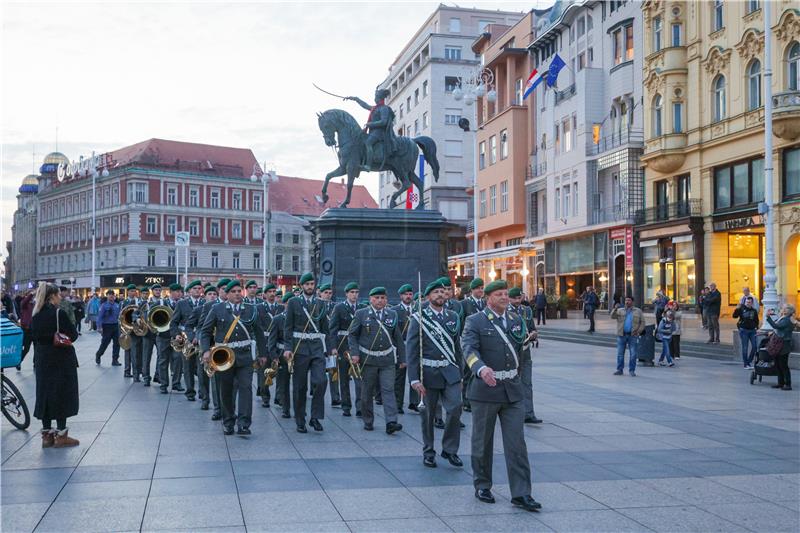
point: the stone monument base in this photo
(379, 247)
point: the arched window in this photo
(793, 66)
(658, 104)
(719, 99)
(754, 85)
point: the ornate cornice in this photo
(717, 60)
(751, 44)
(788, 26)
(654, 82)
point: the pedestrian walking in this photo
(784, 327)
(677, 319)
(590, 304)
(712, 303)
(56, 367)
(747, 326)
(540, 302)
(92, 310)
(79, 309)
(664, 332)
(108, 323)
(630, 326)
(660, 304)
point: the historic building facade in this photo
(21, 274)
(704, 152)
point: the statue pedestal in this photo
(379, 247)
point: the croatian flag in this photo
(413, 195)
(533, 81)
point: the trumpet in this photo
(158, 318)
(355, 370)
(222, 359)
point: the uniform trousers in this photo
(233, 383)
(378, 378)
(282, 387)
(336, 395)
(208, 388)
(450, 398)
(133, 357)
(168, 361)
(344, 386)
(304, 366)
(148, 343)
(189, 371)
(400, 385)
(484, 419)
(527, 384)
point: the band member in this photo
(219, 295)
(325, 293)
(341, 318)
(492, 343)
(265, 320)
(184, 320)
(252, 288)
(167, 361)
(271, 299)
(304, 332)
(403, 310)
(435, 372)
(236, 325)
(474, 303)
(207, 386)
(376, 344)
(133, 356)
(526, 369)
(282, 381)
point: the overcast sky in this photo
(111, 74)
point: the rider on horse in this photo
(378, 126)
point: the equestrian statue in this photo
(375, 147)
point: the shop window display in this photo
(745, 264)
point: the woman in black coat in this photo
(56, 368)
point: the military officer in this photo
(474, 303)
(149, 339)
(492, 342)
(376, 344)
(184, 320)
(271, 299)
(304, 332)
(403, 310)
(219, 295)
(266, 321)
(341, 318)
(434, 369)
(206, 386)
(236, 325)
(251, 287)
(325, 293)
(282, 380)
(133, 356)
(451, 303)
(526, 369)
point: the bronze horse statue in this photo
(341, 131)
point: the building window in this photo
(215, 199)
(171, 225)
(793, 66)
(504, 196)
(566, 198)
(754, 85)
(214, 259)
(718, 16)
(629, 43)
(256, 261)
(193, 258)
(278, 236)
(492, 149)
(401, 110)
(278, 262)
(575, 199)
(565, 127)
(194, 227)
(452, 120)
(295, 263)
(137, 192)
(677, 30)
(740, 184)
(257, 202)
(425, 120)
(455, 25)
(150, 227)
(171, 257)
(236, 200)
(408, 104)
(657, 33)
(519, 91)
(557, 136)
(236, 230)
(194, 197)
(658, 102)
(677, 117)
(452, 53)
(416, 97)
(416, 127)
(719, 103)
(123, 224)
(425, 88)
(257, 228)
(236, 259)
(482, 155)
(450, 85)
(295, 237)
(617, 41)
(503, 144)
(493, 200)
(581, 27)
(215, 232)
(581, 61)
(482, 201)
(106, 197)
(151, 257)
(791, 173)
(753, 5)
(172, 195)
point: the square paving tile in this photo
(527, 522)
(191, 511)
(686, 518)
(94, 515)
(622, 493)
(599, 520)
(21, 516)
(693, 490)
(306, 507)
(377, 504)
(761, 517)
(399, 525)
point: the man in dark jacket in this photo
(590, 304)
(540, 303)
(108, 322)
(712, 303)
(747, 325)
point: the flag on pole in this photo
(534, 80)
(413, 195)
(555, 67)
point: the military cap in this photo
(174, 287)
(269, 286)
(233, 283)
(222, 283)
(278, 292)
(496, 285)
(325, 287)
(251, 283)
(144, 289)
(206, 284)
(194, 283)
(445, 281)
(416, 296)
(352, 286)
(130, 287)
(475, 283)
(405, 288)
(296, 289)
(260, 291)
(210, 288)
(305, 278)
(286, 297)
(435, 284)
(378, 291)
(514, 292)
(155, 286)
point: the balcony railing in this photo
(615, 140)
(567, 93)
(612, 213)
(538, 229)
(673, 211)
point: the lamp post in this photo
(95, 174)
(770, 299)
(476, 85)
(266, 178)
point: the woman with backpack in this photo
(783, 330)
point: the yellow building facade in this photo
(704, 148)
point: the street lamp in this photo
(266, 178)
(104, 173)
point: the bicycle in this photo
(13, 404)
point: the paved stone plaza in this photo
(692, 448)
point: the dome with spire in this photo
(51, 162)
(30, 184)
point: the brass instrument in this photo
(355, 370)
(222, 359)
(158, 318)
(190, 350)
(126, 318)
(179, 343)
(290, 364)
(125, 340)
(270, 372)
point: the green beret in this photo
(210, 288)
(435, 284)
(416, 296)
(405, 288)
(269, 286)
(251, 283)
(206, 284)
(278, 292)
(222, 283)
(155, 286)
(260, 291)
(378, 291)
(144, 289)
(286, 297)
(194, 283)
(174, 287)
(305, 278)
(233, 283)
(130, 287)
(352, 286)
(496, 285)
(325, 287)
(445, 281)
(514, 292)
(475, 283)
(296, 289)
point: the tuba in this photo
(222, 359)
(158, 318)
(126, 318)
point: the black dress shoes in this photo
(368, 427)
(314, 423)
(227, 431)
(96, 361)
(178, 388)
(484, 495)
(454, 459)
(286, 415)
(527, 503)
(412, 407)
(204, 405)
(438, 423)
(462, 425)
(116, 363)
(400, 411)
(164, 390)
(244, 431)
(533, 420)
(430, 462)
(265, 404)
(358, 413)
(346, 413)
(216, 416)
(393, 427)
(302, 429)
